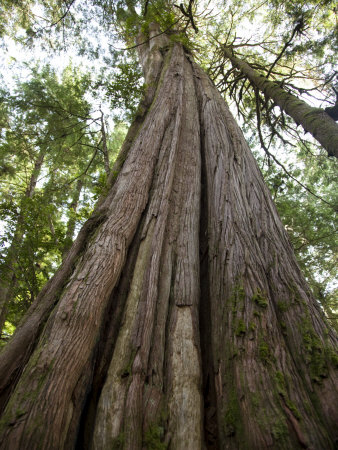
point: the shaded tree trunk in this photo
(71, 224)
(314, 120)
(104, 146)
(179, 318)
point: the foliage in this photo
(123, 87)
(311, 222)
(302, 62)
(57, 140)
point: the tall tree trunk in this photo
(179, 318)
(8, 279)
(314, 120)
(104, 146)
(71, 224)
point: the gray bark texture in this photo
(179, 319)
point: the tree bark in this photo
(314, 120)
(180, 318)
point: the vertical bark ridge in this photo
(184, 360)
(109, 416)
(68, 346)
(169, 297)
(209, 389)
(15, 355)
(106, 345)
(247, 243)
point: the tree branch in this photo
(69, 5)
(188, 13)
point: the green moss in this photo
(279, 429)
(237, 298)
(318, 366)
(282, 306)
(115, 174)
(293, 408)
(307, 407)
(257, 314)
(282, 390)
(20, 412)
(255, 400)
(298, 298)
(232, 417)
(294, 291)
(260, 299)
(283, 327)
(118, 442)
(280, 383)
(184, 40)
(331, 356)
(264, 352)
(334, 357)
(153, 438)
(40, 374)
(315, 354)
(26, 398)
(238, 293)
(241, 292)
(240, 329)
(252, 326)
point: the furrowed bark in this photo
(160, 294)
(314, 120)
(15, 355)
(107, 250)
(185, 322)
(259, 305)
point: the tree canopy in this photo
(61, 128)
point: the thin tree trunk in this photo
(72, 216)
(185, 322)
(104, 147)
(8, 278)
(314, 120)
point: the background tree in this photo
(59, 143)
